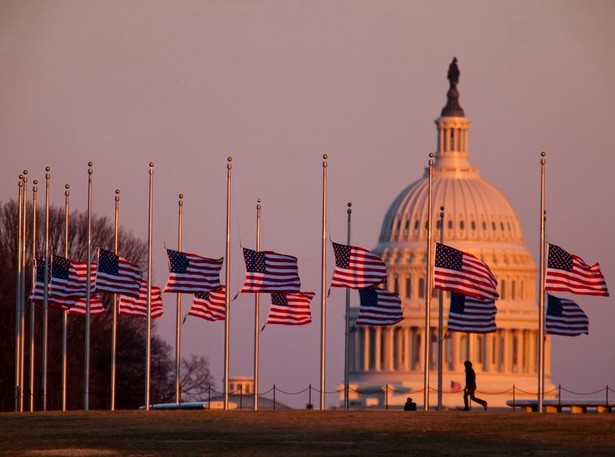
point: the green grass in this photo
(305, 433)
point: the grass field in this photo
(305, 433)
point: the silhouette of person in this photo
(409, 405)
(470, 388)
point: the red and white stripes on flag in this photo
(192, 273)
(68, 278)
(210, 306)
(471, 315)
(117, 275)
(379, 307)
(38, 291)
(137, 306)
(565, 318)
(460, 272)
(569, 273)
(78, 307)
(290, 309)
(268, 271)
(356, 267)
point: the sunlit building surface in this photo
(478, 219)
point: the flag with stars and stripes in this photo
(38, 291)
(356, 267)
(68, 278)
(471, 315)
(268, 271)
(117, 275)
(290, 309)
(137, 306)
(192, 273)
(379, 307)
(569, 273)
(210, 306)
(565, 318)
(460, 272)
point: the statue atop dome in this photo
(453, 108)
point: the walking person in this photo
(471, 388)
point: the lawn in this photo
(305, 433)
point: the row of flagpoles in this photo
(472, 285)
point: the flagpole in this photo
(86, 381)
(178, 337)
(46, 291)
(428, 288)
(227, 297)
(18, 295)
(257, 309)
(22, 307)
(32, 307)
(440, 320)
(65, 311)
(347, 327)
(148, 342)
(116, 239)
(323, 295)
(541, 298)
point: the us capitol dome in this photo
(478, 219)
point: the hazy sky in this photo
(276, 84)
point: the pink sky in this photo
(276, 84)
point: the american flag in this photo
(268, 271)
(68, 278)
(569, 273)
(356, 267)
(191, 273)
(290, 309)
(117, 275)
(38, 291)
(463, 273)
(565, 317)
(379, 307)
(137, 306)
(471, 315)
(78, 306)
(210, 306)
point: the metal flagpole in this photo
(46, 291)
(148, 342)
(22, 306)
(347, 327)
(323, 294)
(440, 320)
(116, 240)
(178, 322)
(65, 311)
(257, 297)
(541, 299)
(427, 334)
(32, 307)
(18, 311)
(227, 297)
(88, 297)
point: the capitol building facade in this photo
(478, 219)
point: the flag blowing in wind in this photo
(210, 306)
(191, 273)
(460, 272)
(117, 275)
(268, 271)
(78, 307)
(290, 309)
(137, 306)
(569, 273)
(356, 267)
(38, 291)
(68, 278)
(471, 315)
(565, 317)
(379, 307)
